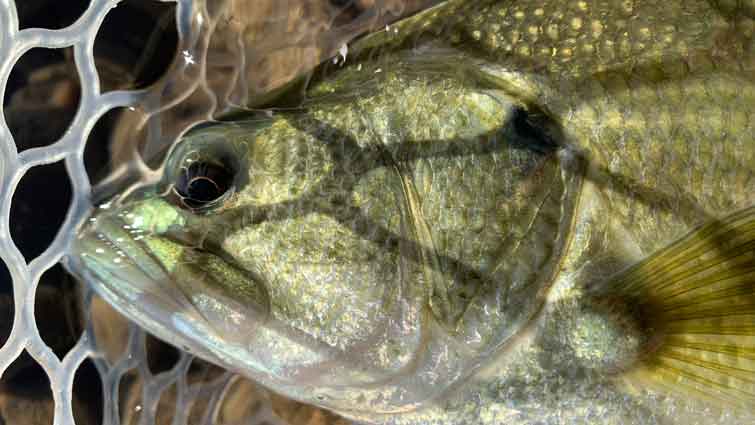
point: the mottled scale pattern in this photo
(650, 96)
(587, 36)
(642, 89)
(486, 211)
(679, 159)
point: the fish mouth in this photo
(184, 310)
(180, 308)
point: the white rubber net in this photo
(221, 62)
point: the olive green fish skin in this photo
(409, 248)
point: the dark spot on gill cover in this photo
(532, 130)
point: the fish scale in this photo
(714, 162)
(608, 34)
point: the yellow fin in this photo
(696, 299)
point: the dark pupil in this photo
(203, 190)
(202, 183)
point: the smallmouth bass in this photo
(495, 212)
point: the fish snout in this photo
(181, 293)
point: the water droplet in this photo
(188, 58)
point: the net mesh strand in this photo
(193, 36)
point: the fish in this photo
(491, 212)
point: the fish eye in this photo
(202, 184)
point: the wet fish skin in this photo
(373, 207)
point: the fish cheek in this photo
(322, 279)
(299, 226)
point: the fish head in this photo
(355, 247)
(405, 226)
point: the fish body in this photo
(491, 214)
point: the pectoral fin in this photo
(696, 300)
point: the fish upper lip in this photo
(99, 252)
(125, 265)
(202, 247)
(133, 292)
